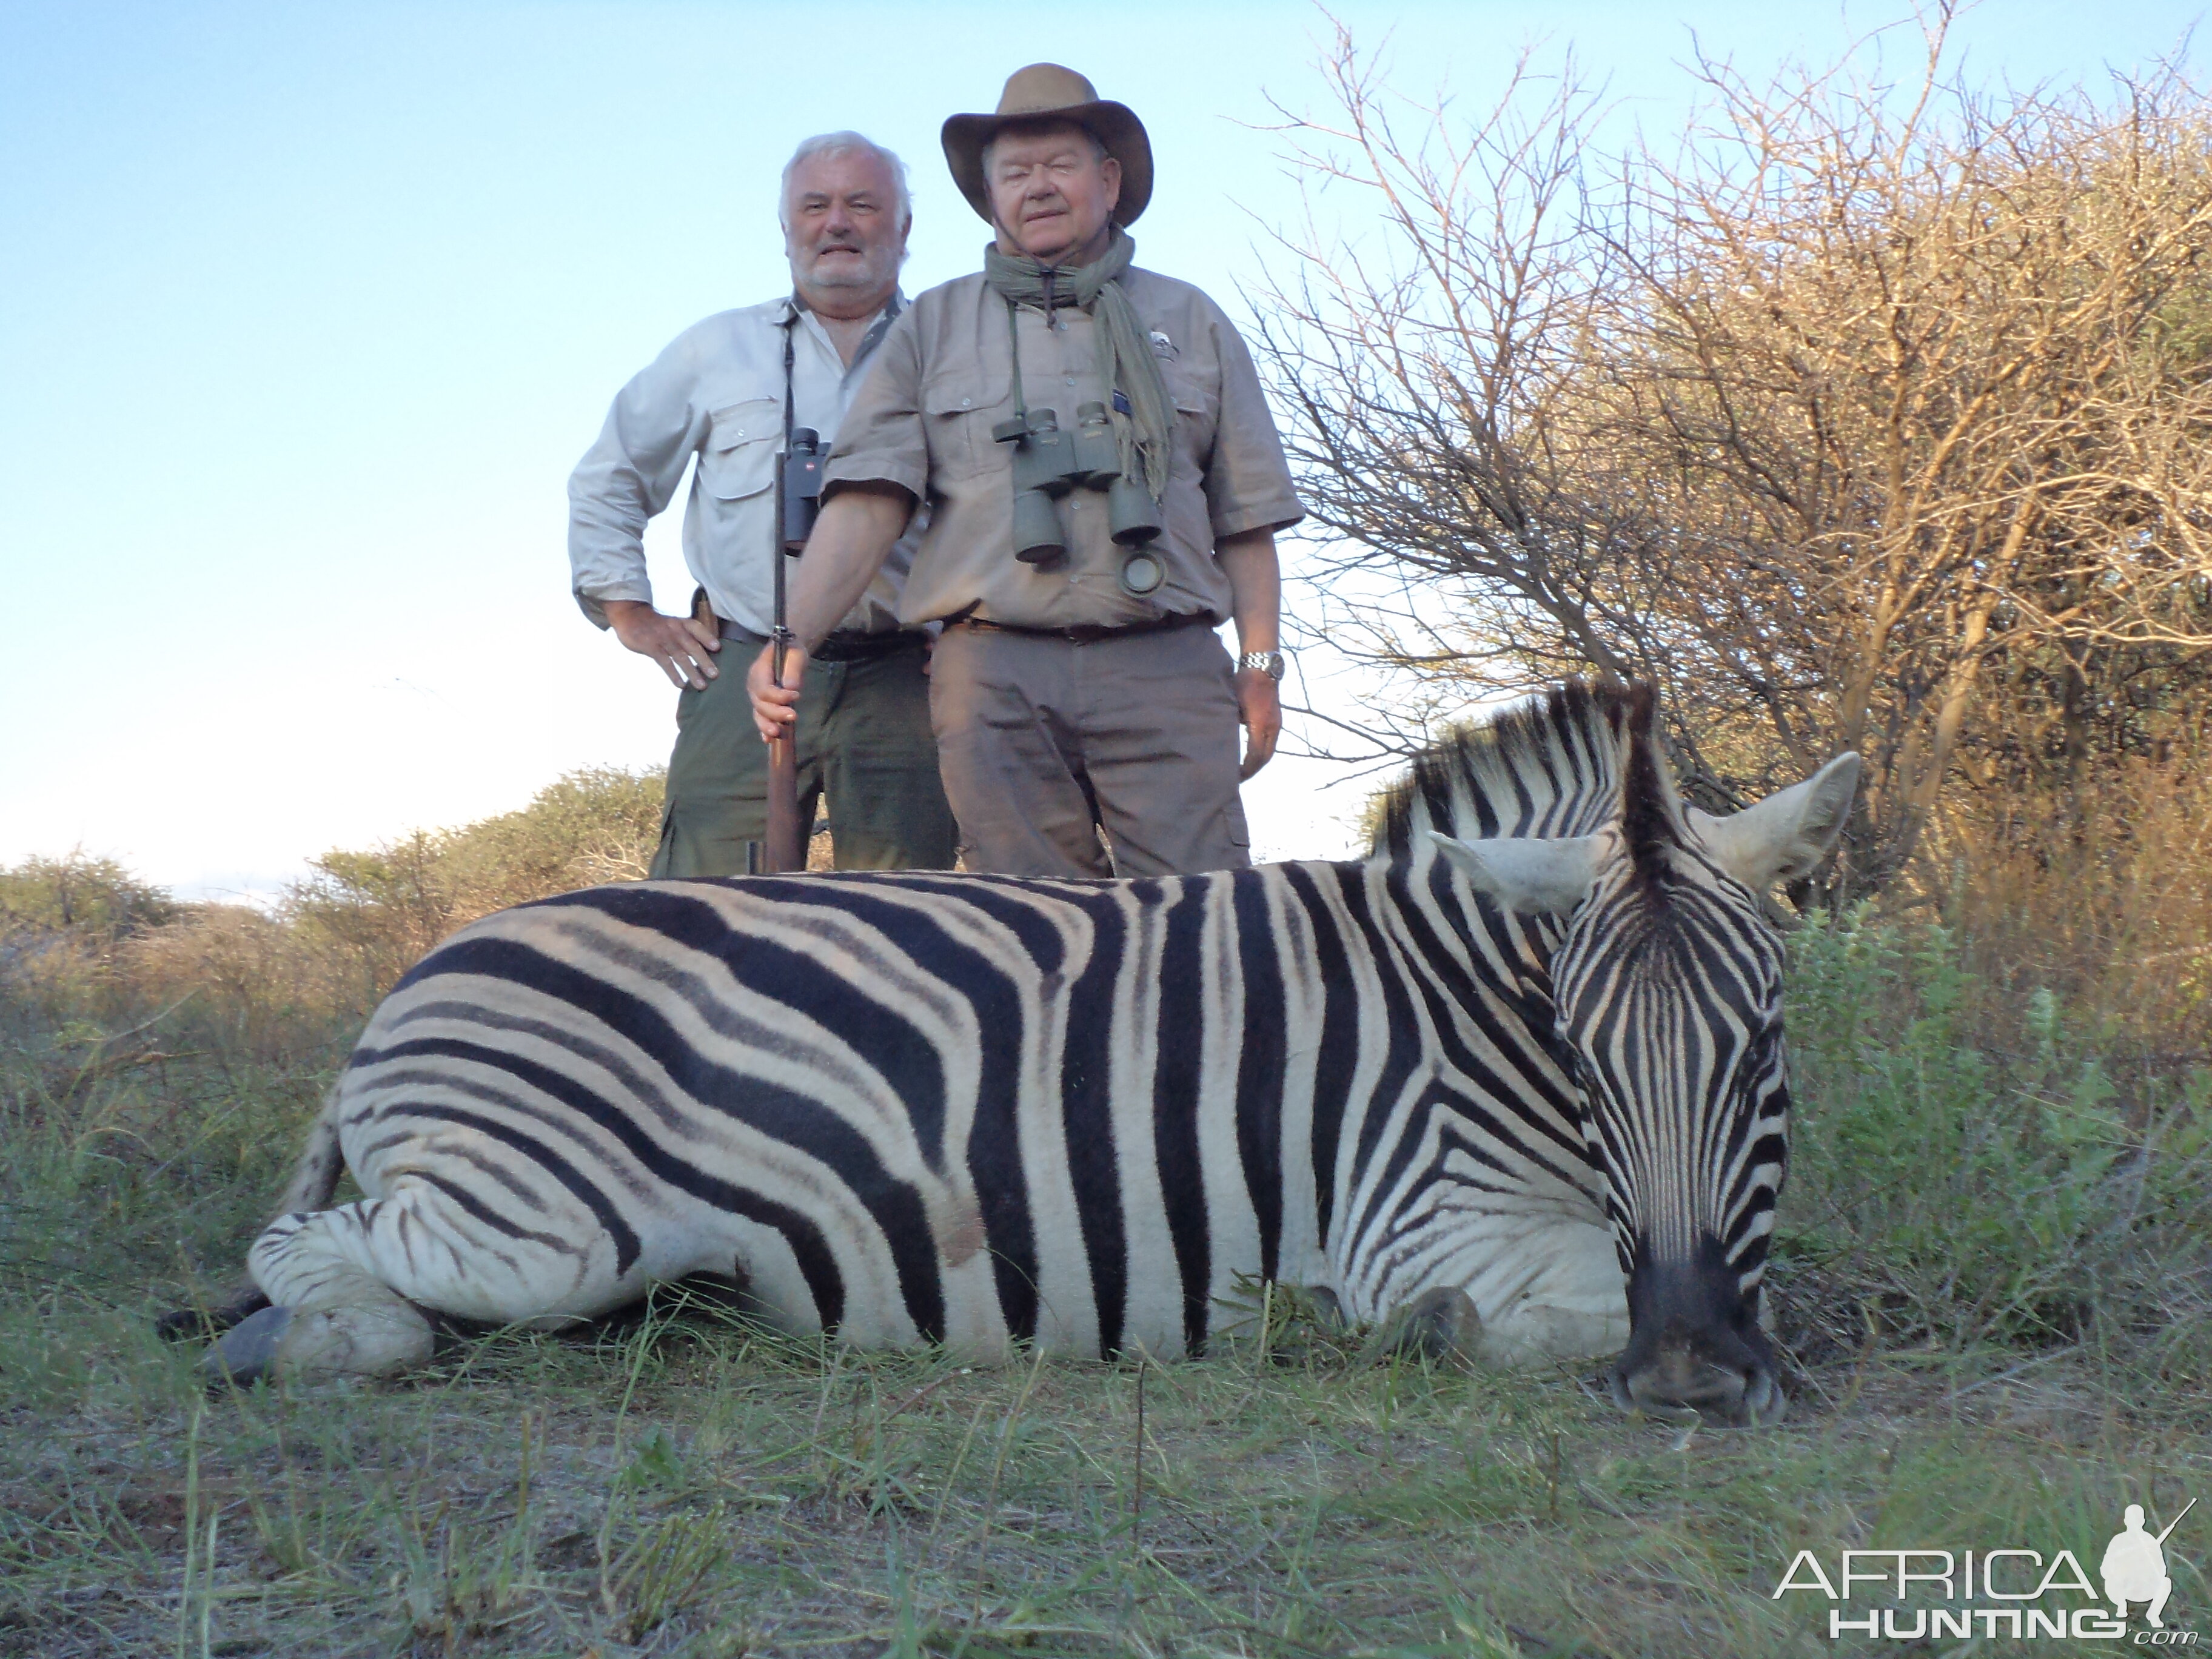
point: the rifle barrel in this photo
(2178, 1519)
(785, 849)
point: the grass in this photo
(689, 1486)
(1956, 1193)
(1993, 1277)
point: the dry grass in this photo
(2101, 897)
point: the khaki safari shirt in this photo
(716, 392)
(943, 377)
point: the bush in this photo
(76, 892)
(158, 1061)
(384, 908)
(99, 968)
(1964, 1173)
(2102, 896)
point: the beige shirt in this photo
(716, 392)
(943, 377)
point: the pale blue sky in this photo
(307, 311)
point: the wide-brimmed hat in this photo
(1046, 92)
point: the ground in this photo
(684, 1486)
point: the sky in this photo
(308, 311)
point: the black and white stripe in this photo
(920, 1108)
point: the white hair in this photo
(839, 143)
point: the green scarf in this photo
(1125, 361)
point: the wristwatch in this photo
(1269, 663)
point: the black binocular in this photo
(802, 486)
(1048, 463)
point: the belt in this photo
(847, 644)
(1091, 633)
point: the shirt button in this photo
(965, 401)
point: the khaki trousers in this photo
(864, 741)
(1043, 743)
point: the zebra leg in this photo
(347, 1286)
(1439, 1324)
(1568, 1302)
(330, 1314)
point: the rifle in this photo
(2177, 1520)
(798, 497)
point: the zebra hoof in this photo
(1328, 1308)
(182, 1325)
(190, 1324)
(246, 1353)
(1440, 1325)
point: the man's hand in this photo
(1259, 706)
(1256, 587)
(683, 646)
(851, 540)
(775, 708)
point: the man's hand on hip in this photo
(775, 708)
(683, 646)
(1259, 706)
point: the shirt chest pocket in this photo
(957, 415)
(738, 458)
(1197, 412)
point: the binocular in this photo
(1049, 463)
(801, 484)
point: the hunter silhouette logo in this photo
(1998, 1594)
(2134, 1568)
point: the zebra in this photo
(1512, 1085)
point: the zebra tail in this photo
(322, 1161)
(314, 1179)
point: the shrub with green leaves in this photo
(77, 891)
(1960, 1177)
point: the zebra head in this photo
(1667, 987)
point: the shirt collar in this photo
(791, 308)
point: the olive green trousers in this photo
(864, 742)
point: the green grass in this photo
(1992, 1277)
(688, 1486)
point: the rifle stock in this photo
(787, 846)
(785, 849)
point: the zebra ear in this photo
(1787, 835)
(1527, 874)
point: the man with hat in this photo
(731, 391)
(1104, 482)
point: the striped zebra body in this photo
(1097, 1106)
(980, 1111)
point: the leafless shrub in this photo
(1861, 416)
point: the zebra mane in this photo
(1576, 760)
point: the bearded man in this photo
(1104, 483)
(728, 391)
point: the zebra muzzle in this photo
(1735, 1387)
